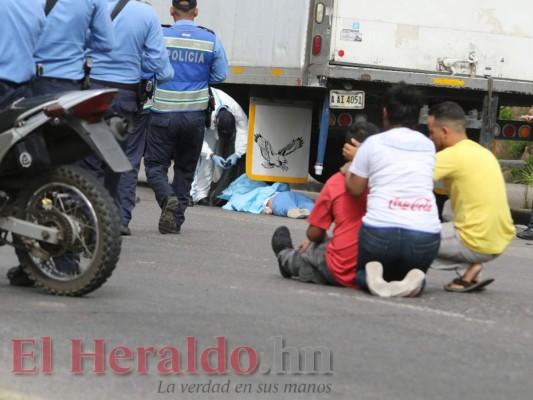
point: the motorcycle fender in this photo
(106, 146)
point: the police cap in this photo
(226, 123)
(184, 5)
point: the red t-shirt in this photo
(335, 205)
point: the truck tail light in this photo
(317, 45)
(508, 130)
(319, 13)
(345, 120)
(524, 131)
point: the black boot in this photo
(281, 240)
(527, 234)
(17, 277)
(166, 221)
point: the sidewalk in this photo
(516, 196)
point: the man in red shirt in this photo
(320, 259)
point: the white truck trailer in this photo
(307, 69)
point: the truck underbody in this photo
(306, 51)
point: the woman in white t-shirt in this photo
(400, 235)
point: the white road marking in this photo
(400, 304)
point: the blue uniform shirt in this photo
(139, 46)
(61, 47)
(219, 67)
(198, 59)
(21, 24)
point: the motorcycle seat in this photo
(9, 115)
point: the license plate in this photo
(353, 99)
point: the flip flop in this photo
(467, 286)
(484, 283)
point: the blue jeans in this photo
(284, 201)
(398, 250)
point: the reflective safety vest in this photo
(190, 50)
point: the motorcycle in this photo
(64, 225)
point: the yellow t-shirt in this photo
(475, 185)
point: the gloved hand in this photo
(231, 161)
(219, 162)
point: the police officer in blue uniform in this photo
(177, 123)
(17, 66)
(71, 27)
(127, 184)
(139, 47)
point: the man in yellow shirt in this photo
(482, 226)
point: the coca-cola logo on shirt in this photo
(422, 204)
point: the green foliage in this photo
(511, 113)
(516, 174)
(506, 113)
(526, 177)
(516, 148)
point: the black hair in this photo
(448, 110)
(360, 131)
(403, 104)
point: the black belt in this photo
(117, 85)
(14, 84)
(60, 80)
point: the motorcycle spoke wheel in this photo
(72, 201)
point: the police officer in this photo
(139, 46)
(17, 66)
(177, 122)
(127, 184)
(71, 26)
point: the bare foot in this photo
(472, 274)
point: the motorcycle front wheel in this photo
(75, 203)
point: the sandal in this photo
(466, 286)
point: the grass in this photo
(526, 178)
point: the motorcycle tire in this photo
(73, 201)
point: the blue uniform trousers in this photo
(174, 136)
(125, 105)
(43, 85)
(9, 92)
(134, 150)
(40, 86)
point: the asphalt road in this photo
(219, 279)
